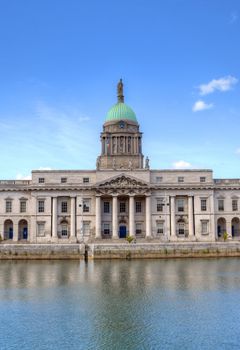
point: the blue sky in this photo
(60, 61)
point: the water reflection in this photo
(142, 304)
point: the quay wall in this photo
(41, 251)
(163, 250)
(119, 250)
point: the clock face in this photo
(121, 124)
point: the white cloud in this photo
(23, 177)
(181, 164)
(201, 106)
(234, 17)
(221, 84)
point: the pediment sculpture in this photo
(123, 182)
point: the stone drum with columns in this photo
(122, 197)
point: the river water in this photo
(137, 304)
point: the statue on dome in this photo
(98, 163)
(147, 163)
(120, 91)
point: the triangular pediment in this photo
(122, 181)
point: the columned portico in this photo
(173, 219)
(190, 217)
(115, 216)
(131, 215)
(98, 216)
(54, 217)
(148, 217)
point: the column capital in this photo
(131, 194)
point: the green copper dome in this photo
(120, 111)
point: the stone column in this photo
(173, 219)
(212, 230)
(114, 217)
(73, 217)
(98, 217)
(131, 216)
(148, 217)
(229, 228)
(190, 217)
(15, 231)
(54, 217)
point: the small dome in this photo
(120, 111)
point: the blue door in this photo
(122, 232)
(10, 233)
(25, 233)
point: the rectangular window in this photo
(122, 207)
(180, 205)
(106, 229)
(138, 228)
(23, 206)
(64, 207)
(202, 179)
(138, 206)
(234, 205)
(86, 228)
(41, 180)
(221, 204)
(64, 230)
(8, 206)
(160, 204)
(41, 229)
(204, 227)
(160, 227)
(106, 207)
(181, 229)
(63, 180)
(159, 179)
(41, 206)
(85, 180)
(203, 205)
(86, 205)
(180, 179)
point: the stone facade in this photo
(122, 197)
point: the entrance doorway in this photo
(122, 231)
(8, 229)
(23, 229)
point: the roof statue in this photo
(120, 91)
(120, 111)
